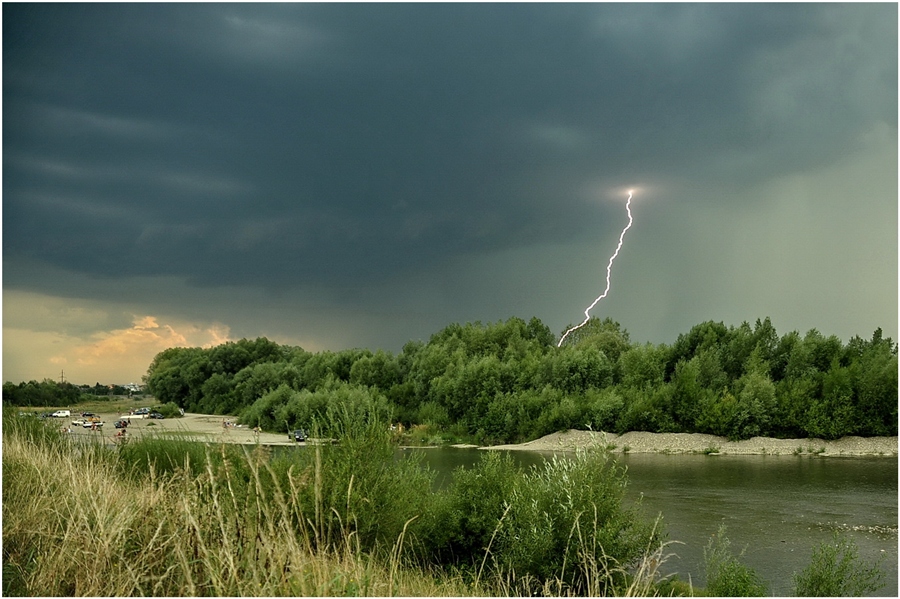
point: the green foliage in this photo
(558, 522)
(138, 457)
(174, 518)
(467, 514)
(169, 410)
(38, 431)
(44, 394)
(507, 382)
(835, 570)
(726, 576)
(563, 518)
(284, 409)
(644, 366)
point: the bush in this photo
(467, 514)
(169, 410)
(836, 571)
(725, 575)
(567, 524)
(358, 485)
(561, 524)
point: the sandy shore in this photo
(203, 427)
(194, 427)
(641, 442)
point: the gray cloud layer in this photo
(310, 147)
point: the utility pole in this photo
(62, 377)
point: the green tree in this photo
(874, 373)
(687, 394)
(575, 370)
(719, 416)
(644, 366)
(755, 406)
(707, 335)
(377, 370)
(605, 335)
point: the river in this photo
(776, 508)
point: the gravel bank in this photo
(203, 427)
(641, 442)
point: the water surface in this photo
(775, 508)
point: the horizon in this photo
(373, 350)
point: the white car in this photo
(61, 414)
(92, 424)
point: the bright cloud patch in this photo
(117, 355)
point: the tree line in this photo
(507, 382)
(49, 393)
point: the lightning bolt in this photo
(587, 312)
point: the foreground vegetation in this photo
(508, 382)
(173, 518)
(162, 517)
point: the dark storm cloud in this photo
(285, 145)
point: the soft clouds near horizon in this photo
(362, 175)
(85, 341)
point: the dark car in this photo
(156, 416)
(87, 414)
(298, 435)
(121, 423)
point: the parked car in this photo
(156, 415)
(298, 435)
(62, 414)
(87, 414)
(142, 411)
(121, 424)
(89, 424)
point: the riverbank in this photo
(190, 427)
(210, 429)
(675, 443)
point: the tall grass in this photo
(183, 519)
(726, 575)
(75, 524)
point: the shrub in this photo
(561, 524)
(566, 523)
(468, 512)
(359, 486)
(726, 576)
(169, 410)
(836, 571)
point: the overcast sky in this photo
(337, 176)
